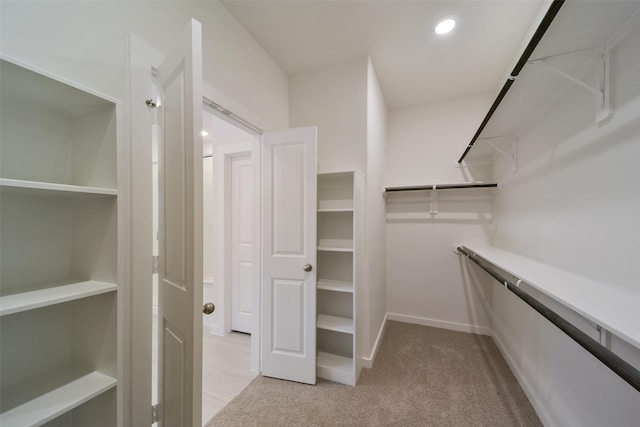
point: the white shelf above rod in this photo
(610, 359)
(433, 200)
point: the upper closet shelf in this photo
(49, 188)
(37, 298)
(433, 200)
(612, 307)
(569, 49)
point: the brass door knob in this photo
(307, 267)
(208, 308)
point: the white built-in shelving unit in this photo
(339, 234)
(59, 286)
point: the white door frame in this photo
(224, 155)
(137, 405)
(239, 195)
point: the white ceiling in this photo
(413, 65)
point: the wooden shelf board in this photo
(32, 84)
(337, 205)
(45, 398)
(19, 185)
(335, 323)
(612, 307)
(335, 368)
(333, 361)
(322, 210)
(335, 245)
(334, 249)
(335, 285)
(32, 299)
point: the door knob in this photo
(208, 308)
(307, 267)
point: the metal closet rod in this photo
(533, 43)
(624, 370)
(441, 186)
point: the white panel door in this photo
(241, 243)
(180, 233)
(288, 323)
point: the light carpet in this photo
(422, 376)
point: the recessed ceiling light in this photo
(204, 133)
(445, 26)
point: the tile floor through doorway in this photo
(226, 370)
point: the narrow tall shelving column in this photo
(59, 288)
(339, 210)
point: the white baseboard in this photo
(367, 362)
(537, 404)
(442, 324)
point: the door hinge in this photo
(155, 268)
(155, 413)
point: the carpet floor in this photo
(422, 376)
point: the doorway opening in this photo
(230, 257)
(229, 265)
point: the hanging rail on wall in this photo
(229, 115)
(537, 36)
(433, 200)
(440, 187)
(624, 370)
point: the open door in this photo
(180, 233)
(288, 320)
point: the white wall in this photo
(574, 203)
(85, 42)
(425, 283)
(375, 211)
(346, 103)
(334, 99)
(426, 141)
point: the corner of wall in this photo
(376, 207)
(367, 361)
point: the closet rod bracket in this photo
(600, 90)
(433, 201)
(513, 155)
(604, 336)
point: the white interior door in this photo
(241, 243)
(288, 323)
(180, 233)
